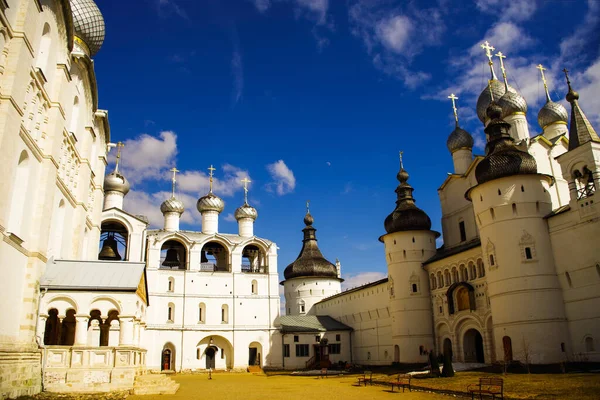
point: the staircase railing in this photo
(311, 362)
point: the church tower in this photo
(310, 278)
(460, 144)
(408, 243)
(210, 206)
(172, 209)
(116, 186)
(246, 214)
(510, 202)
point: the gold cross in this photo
(502, 57)
(453, 98)
(174, 171)
(308, 206)
(566, 71)
(119, 146)
(542, 69)
(246, 181)
(210, 174)
(401, 164)
(488, 52)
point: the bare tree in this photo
(527, 353)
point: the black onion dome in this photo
(407, 216)
(503, 157)
(310, 261)
(459, 139)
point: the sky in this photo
(314, 99)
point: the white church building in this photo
(97, 298)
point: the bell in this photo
(109, 250)
(172, 258)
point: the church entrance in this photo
(253, 356)
(473, 346)
(507, 344)
(210, 358)
(166, 360)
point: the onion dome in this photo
(459, 139)
(503, 157)
(581, 130)
(484, 100)
(512, 103)
(407, 216)
(246, 211)
(552, 113)
(310, 261)
(116, 182)
(88, 25)
(172, 205)
(210, 202)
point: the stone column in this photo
(41, 328)
(95, 334)
(126, 334)
(81, 329)
(114, 333)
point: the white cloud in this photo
(262, 5)
(148, 157)
(145, 204)
(229, 217)
(226, 182)
(588, 86)
(394, 32)
(513, 10)
(169, 7)
(317, 7)
(283, 178)
(238, 76)
(355, 280)
(504, 36)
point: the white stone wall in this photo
(545, 157)
(62, 160)
(301, 294)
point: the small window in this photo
(200, 314)
(568, 276)
(522, 188)
(301, 350)
(224, 314)
(286, 350)
(562, 347)
(499, 192)
(289, 310)
(338, 337)
(222, 354)
(296, 339)
(302, 308)
(514, 209)
(492, 263)
(528, 253)
(463, 231)
(170, 312)
(254, 287)
(589, 344)
(197, 354)
(441, 310)
(317, 338)
(413, 239)
(421, 350)
(493, 214)
(335, 348)
(414, 288)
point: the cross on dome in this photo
(174, 171)
(119, 146)
(502, 57)
(542, 69)
(245, 182)
(211, 170)
(400, 153)
(488, 52)
(453, 98)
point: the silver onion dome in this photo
(172, 205)
(246, 211)
(552, 113)
(116, 182)
(484, 99)
(88, 24)
(210, 202)
(512, 103)
(459, 139)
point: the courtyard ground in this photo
(225, 386)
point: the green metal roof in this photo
(311, 323)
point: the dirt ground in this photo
(260, 387)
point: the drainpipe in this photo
(40, 340)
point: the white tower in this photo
(460, 144)
(115, 185)
(210, 206)
(172, 208)
(510, 202)
(408, 243)
(246, 214)
(310, 278)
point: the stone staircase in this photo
(154, 384)
(255, 369)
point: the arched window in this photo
(480, 268)
(462, 299)
(44, 49)
(440, 279)
(170, 284)
(214, 258)
(492, 261)
(224, 314)
(464, 275)
(447, 278)
(432, 279)
(114, 239)
(52, 329)
(19, 196)
(472, 271)
(171, 312)
(454, 275)
(74, 116)
(173, 255)
(589, 344)
(302, 307)
(254, 286)
(202, 313)
(254, 259)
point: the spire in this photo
(542, 69)
(173, 180)
(502, 57)
(453, 98)
(488, 52)
(581, 130)
(211, 170)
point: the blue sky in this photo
(313, 99)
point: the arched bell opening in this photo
(114, 239)
(461, 296)
(173, 255)
(214, 258)
(254, 259)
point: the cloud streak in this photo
(283, 180)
